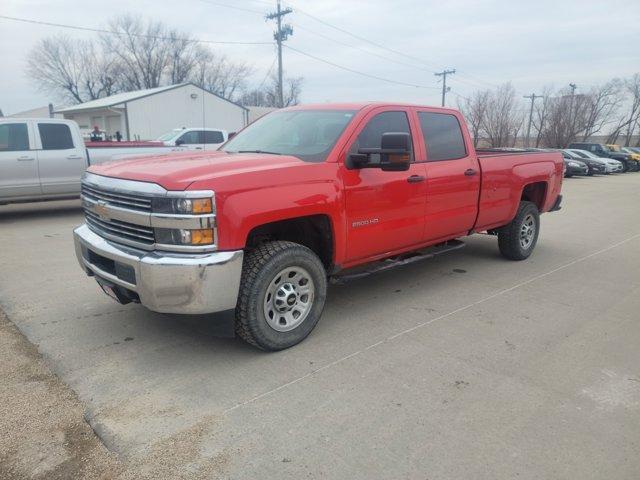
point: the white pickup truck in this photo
(44, 158)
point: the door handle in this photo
(469, 172)
(25, 158)
(198, 148)
(74, 157)
(416, 178)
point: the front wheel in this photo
(282, 295)
(517, 239)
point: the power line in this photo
(233, 7)
(431, 67)
(357, 72)
(349, 45)
(268, 73)
(139, 35)
(362, 39)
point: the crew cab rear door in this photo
(18, 162)
(384, 210)
(453, 174)
(61, 157)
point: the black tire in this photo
(511, 245)
(260, 271)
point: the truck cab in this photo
(40, 159)
(195, 138)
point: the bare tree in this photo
(220, 75)
(474, 110)
(137, 54)
(142, 47)
(502, 120)
(72, 70)
(541, 113)
(268, 95)
(603, 102)
(628, 122)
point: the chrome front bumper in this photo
(164, 282)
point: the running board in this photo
(393, 262)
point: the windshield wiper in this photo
(259, 151)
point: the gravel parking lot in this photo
(466, 366)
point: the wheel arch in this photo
(315, 232)
(536, 193)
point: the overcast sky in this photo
(531, 44)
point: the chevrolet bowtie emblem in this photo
(101, 209)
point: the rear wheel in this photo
(517, 239)
(282, 294)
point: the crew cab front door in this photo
(384, 210)
(192, 140)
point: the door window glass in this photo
(213, 137)
(191, 138)
(13, 137)
(55, 136)
(442, 135)
(371, 134)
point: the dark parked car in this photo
(596, 167)
(603, 151)
(575, 167)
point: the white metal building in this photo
(147, 114)
(39, 112)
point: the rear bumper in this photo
(556, 205)
(163, 282)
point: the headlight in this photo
(185, 206)
(573, 164)
(171, 236)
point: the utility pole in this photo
(280, 35)
(573, 93)
(444, 74)
(533, 97)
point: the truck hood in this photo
(176, 171)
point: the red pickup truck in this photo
(303, 196)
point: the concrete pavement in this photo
(466, 366)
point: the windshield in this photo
(168, 136)
(584, 154)
(306, 134)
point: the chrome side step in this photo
(393, 262)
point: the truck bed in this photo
(504, 176)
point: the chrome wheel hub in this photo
(527, 231)
(288, 299)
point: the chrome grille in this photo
(117, 199)
(120, 230)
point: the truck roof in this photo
(362, 105)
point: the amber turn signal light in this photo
(201, 205)
(202, 237)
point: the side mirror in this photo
(231, 135)
(179, 142)
(394, 151)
